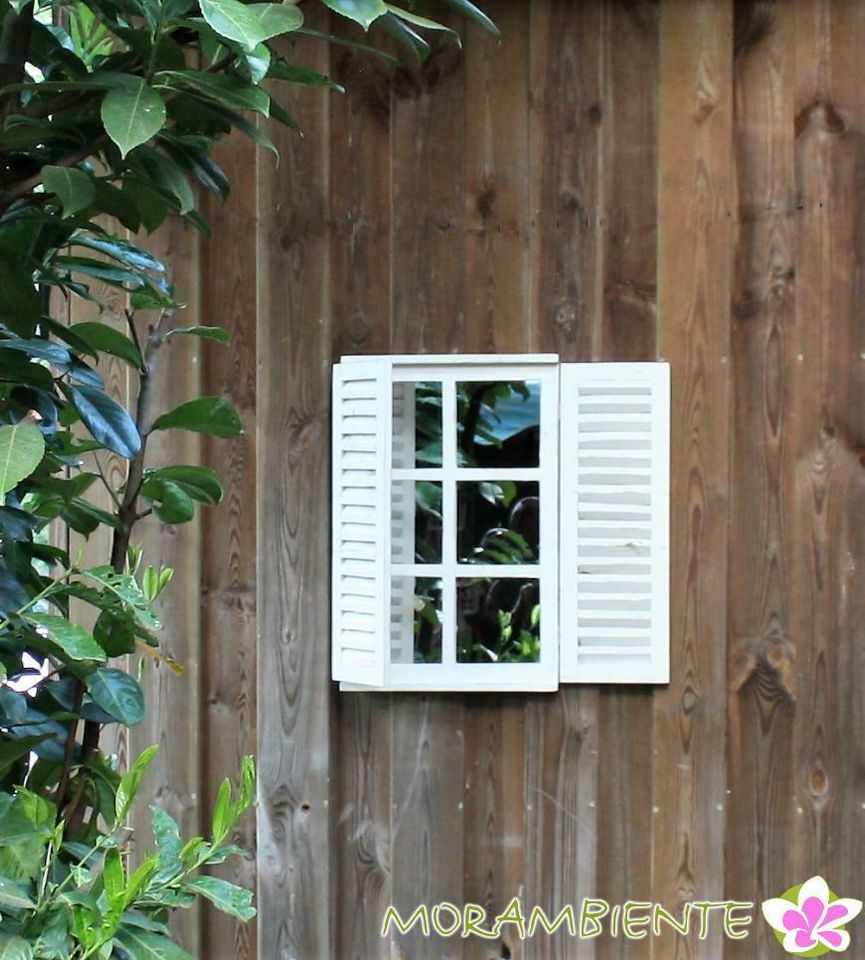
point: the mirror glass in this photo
(416, 620)
(498, 423)
(498, 620)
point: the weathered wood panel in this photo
(497, 321)
(174, 778)
(428, 311)
(228, 582)
(629, 126)
(761, 647)
(292, 441)
(614, 180)
(694, 267)
(565, 143)
(360, 249)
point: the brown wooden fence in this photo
(615, 180)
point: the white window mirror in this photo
(449, 529)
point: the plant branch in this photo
(105, 482)
(128, 511)
(127, 514)
(69, 752)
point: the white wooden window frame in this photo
(569, 652)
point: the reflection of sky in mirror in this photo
(499, 423)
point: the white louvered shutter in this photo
(614, 522)
(361, 437)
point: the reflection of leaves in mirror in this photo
(428, 522)
(428, 424)
(498, 621)
(427, 621)
(498, 522)
(498, 423)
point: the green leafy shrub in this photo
(109, 110)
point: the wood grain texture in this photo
(292, 402)
(616, 179)
(629, 127)
(843, 374)
(566, 243)
(497, 221)
(824, 495)
(360, 250)
(428, 304)
(173, 702)
(228, 613)
(694, 242)
(761, 650)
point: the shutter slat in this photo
(614, 523)
(360, 431)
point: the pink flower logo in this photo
(809, 919)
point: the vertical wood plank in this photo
(228, 622)
(824, 469)
(694, 240)
(630, 162)
(565, 149)
(497, 321)
(361, 309)
(846, 414)
(428, 315)
(761, 652)
(173, 702)
(292, 403)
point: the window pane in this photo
(417, 425)
(498, 522)
(499, 423)
(498, 621)
(416, 522)
(416, 620)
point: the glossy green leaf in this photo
(131, 781)
(39, 349)
(73, 188)
(294, 73)
(22, 447)
(14, 948)
(132, 113)
(219, 334)
(474, 13)
(149, 203)
(126, 589)
(120, 250)
(227, 897)
(108, 340)
(100, 270)
(228, 90)
(76, 642)
(144, 945)
(363, 12)
(211, 415)
(14, 895)
(106, 419)
(170, 502)
(250, 23)
(422, 22)
(119, 694)
(168, 844)
(200, 483)
(405, 35)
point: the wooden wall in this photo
(616, 179)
